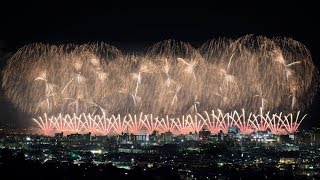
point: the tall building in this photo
(220, 136)
(315, 136)
(204, 135)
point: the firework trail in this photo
(253, 82)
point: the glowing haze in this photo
(253, 82)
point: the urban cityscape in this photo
(197, 155)
(109, 90)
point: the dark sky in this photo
(133, 26)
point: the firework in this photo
(147, 123)
(253, 82)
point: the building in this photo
(142, 137)
(167, 136)
(233, 130)
(58, 136)
(285, 138)
(126, 138)
(154, 136)
(315, 136)
(79, 137)
(204, 135)
(220, 136)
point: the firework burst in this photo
(251, 82)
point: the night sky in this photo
(134, 27)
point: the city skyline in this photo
(159, 90)
(132, 31)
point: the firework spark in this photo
(146, 123)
